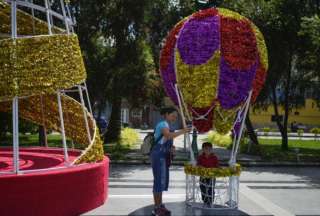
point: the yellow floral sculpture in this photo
(35, 68)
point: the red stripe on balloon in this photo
(258, 82)
(168, 49)
(202, 125)
(238, 43)
(205, 13)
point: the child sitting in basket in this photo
(207, 159)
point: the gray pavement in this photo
(263, 191)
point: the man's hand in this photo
(187, 130)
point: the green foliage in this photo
(5, 121)
(309, 150)
(300, 132)
(121, 41)
(269, 150)
(309, 56)
(27, 127)
(310, 29)
(218, 139)
(128, 137)
(266, 130)
(315, 131)
(117, 151)
(54, 140)
(283, 22)
(24, 125)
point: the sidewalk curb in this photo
(225, 163)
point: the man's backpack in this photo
(148, 143)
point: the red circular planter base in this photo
(59, 192)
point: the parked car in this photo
(297, 126)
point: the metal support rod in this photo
(238, 119)
(13, 19)
(185, 125)
(88, 98)
(48, 16)
(241, 128)
(69, 90)
(27, 4)
(233, 147)
(15, 123)
(15, 101)
(51, 16)
(84, 113)
(187, 187)
(64, 141)
(193, 188)
(70, 17)
(33, 22)
(64, 16)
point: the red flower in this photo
(238, 43)
(167, 50)
(258, 82)
(202, 125)
(205, 13)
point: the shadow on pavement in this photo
(180, 208)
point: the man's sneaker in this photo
(167, 212)
(158, 212)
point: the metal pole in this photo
(185, 125)
(33, 23)
(84, 113)
(64, 142)
(15, 122)
(88, 98)
(64, 16)
(241, 128)
(70, 17)
(233, 147)
(51, 17)
(15, 102)
(48, 16)
(193, 188)
(184, 142)
(14, 19)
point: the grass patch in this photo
(270, 150)
(54, 140)
(116, 151)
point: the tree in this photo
(280, 22)
(4, 124)
(118, 59)
(309, 57)
(161, 16)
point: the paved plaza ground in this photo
(263, 191)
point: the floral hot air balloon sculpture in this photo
(215, 57)
(213, 64)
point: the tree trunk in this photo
(278, 121)
(43, 141)
(4, 119)
(252, 135)
(114, 126)
(284, 145)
